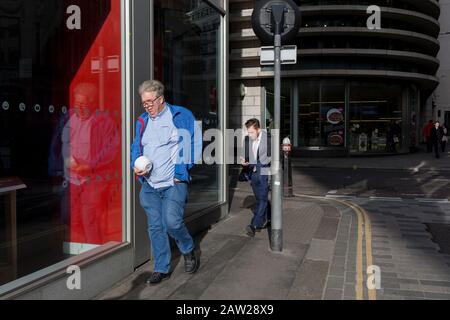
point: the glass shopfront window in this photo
(332, 113)
(375, 117)
(285, 107)
(309, 115)
(60, 131)
(322, 113)
(413, 108)
(187, 48)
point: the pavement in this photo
(237, 267)
(329, 242)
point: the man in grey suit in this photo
(257, 162)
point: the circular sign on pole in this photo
(264, 27)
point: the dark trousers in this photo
(436, 146)
(429, 145)
(260, 186)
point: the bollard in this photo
(287, 168)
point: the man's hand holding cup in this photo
(142, 166)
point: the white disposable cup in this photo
(143, 164)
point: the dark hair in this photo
(253, 123)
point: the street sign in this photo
(288, 55)
(276, 22)
(264, 25)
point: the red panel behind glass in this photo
(95, 144)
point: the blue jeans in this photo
(260, 186)
(165, 211)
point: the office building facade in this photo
(355, 89)
(440, 109)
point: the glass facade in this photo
(376, 117)
(352, 90)
(285, 108)
(66, 120)
(356, 116)
(322, 114)
(187, 52)
(60, 131)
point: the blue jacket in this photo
(182, 119)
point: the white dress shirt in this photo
(255, 146)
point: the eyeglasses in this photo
(150, 103)
(80, 107)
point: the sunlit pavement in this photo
(351, 233)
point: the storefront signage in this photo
(334, 116)
(335, 140)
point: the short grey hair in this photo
(152, 86)
(88, 90)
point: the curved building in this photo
(354, 90)
(442, 94)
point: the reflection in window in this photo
(322, 113)
(186, 61)
(60, 144)
(285, 108)
(375, 117)
(309, 116)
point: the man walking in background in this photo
(436, 138)
(257, 160)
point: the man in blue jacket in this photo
(171, 139)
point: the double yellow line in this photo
(364, 233)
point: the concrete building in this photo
(354, 90)
(442, 94)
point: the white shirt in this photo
(161, 146)
(255, 146)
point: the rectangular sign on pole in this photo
(288, 55)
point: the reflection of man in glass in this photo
(90, 142)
